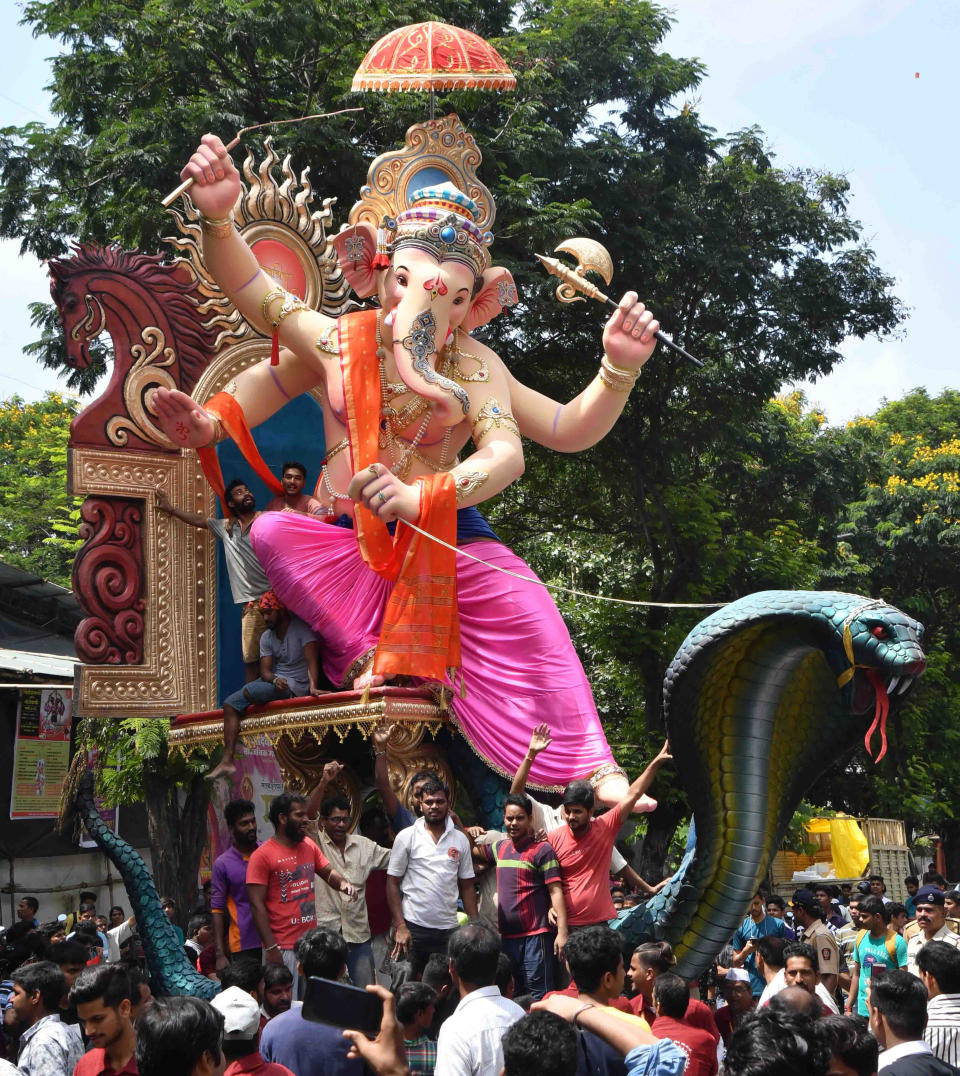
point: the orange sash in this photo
(420, 635)
(230, 413)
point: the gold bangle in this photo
(218, 434)
(617, 373)
(614, 386)
(217, 228)
(618, 369)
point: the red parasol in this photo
(433, 56)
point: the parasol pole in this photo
(235, 141)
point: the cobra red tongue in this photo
(880, 714)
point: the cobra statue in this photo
(762, 697)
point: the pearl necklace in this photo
(392, 421)
(395, 421)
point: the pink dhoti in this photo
(519, 665)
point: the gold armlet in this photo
(492, 416)
(290, 305)
(217, 228)
(468, 482)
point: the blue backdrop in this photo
(293, 433)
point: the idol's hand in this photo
(216, 181)
(182, 419)
(380, 491)
(628, 339)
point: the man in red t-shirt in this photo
(102, 996)
(671, 996)
(584, 844)
(280, 882)
(648, 963)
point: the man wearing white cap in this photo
(241, 1031)
(738, 995)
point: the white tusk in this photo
(892, 686)
(907, 681)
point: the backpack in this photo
(890, 940)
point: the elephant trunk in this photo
(418, 335)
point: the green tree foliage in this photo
(703, 490)
(38, 520)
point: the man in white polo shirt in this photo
(430, 867)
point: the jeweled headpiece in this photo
(441, 221)
(416, 188)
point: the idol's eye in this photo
(459, 301)
(402, 279)
(880, 631)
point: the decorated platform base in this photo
(307, 733)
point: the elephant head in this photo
(430, 269)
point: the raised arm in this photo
(644, 781)
(380, 737)
(331, 771)
(628, 342)
(261, 390)
(539, 741)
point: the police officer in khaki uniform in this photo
(808, 914)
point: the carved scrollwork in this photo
(301, 762)
(146, 374)
(407, 754)
(108, 581)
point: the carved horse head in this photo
(106, 288)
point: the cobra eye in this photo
(881, 632)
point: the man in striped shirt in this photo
(938, 965)
(528, 885)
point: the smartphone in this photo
(877, 971)
(340, 1005)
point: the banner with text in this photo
(41, 754)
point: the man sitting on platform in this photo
(289, 669)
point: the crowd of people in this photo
(486, 952)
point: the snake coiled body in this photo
(170, 970)
(762, 697)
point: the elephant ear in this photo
(355, 249)
(498, 291)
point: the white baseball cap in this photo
(241, 1014)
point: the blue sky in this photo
(833, 85)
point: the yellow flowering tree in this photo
(901, 542)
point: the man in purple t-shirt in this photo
(234, 934)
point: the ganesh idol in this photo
(405, 386)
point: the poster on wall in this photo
(41, 753)
(110, 815)
(257, 779)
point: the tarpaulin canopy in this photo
(848, 846)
